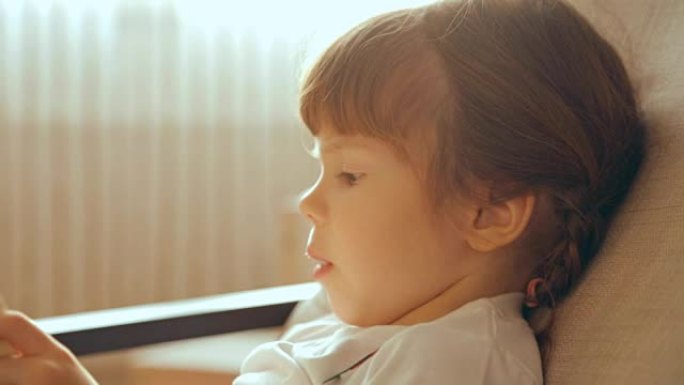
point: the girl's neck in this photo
(461, 292)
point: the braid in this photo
(564, 263)
(581, 229)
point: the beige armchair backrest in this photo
(624, 324)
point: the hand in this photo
(38, 359)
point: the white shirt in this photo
(486, 341)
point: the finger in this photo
(6, 350)
(24, 335)
(32, 370)
(11, 371)
(43, 370)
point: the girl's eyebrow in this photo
(338, 143)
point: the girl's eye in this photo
(350, 178)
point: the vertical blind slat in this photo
(143, 159)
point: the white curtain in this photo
(142, 158)
(151, 150)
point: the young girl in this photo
(473, 154)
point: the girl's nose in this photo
(311, 204)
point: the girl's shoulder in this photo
(487, 337)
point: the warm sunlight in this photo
(283, 18)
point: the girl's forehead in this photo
(415, 150)
(333, 143)
(356, 146)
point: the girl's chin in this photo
(355, 316)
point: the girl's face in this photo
(371, 219)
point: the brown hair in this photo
(520, 93)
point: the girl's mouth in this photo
(321, 269)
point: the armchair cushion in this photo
(624, 323)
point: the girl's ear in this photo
(494, 225)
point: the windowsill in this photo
(129, 327)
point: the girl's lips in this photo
(322, 267)
(312, 255)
